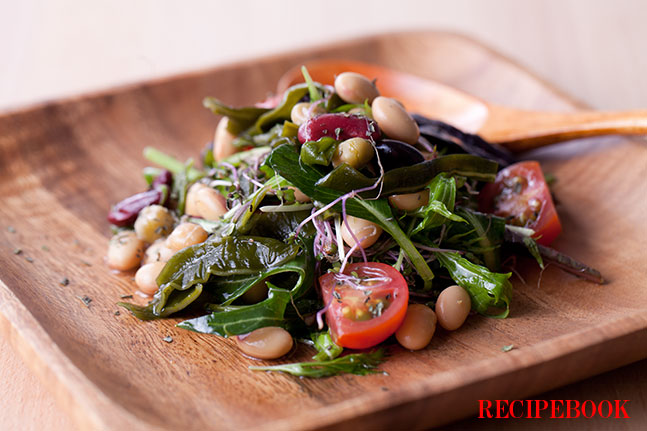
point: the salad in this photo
(331, 216)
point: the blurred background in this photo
(592, 49)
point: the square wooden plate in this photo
(63, 163)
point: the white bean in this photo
(153, 222)
(157, 252)
(355, 88)
(410, 201)
(452, 307)
(394, 120)
(223, 141)
(185, 235)
(204, 202)
(302, 112)
(418, 327)
(299, 195)
(125, 251)
(146, 277)
(270, 342)
(365, 231)
(356, 152)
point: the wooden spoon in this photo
(516, 129)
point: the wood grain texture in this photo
(61, 165)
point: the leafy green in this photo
(285, 161)
(243, 156)
(442, 198)
(411, 178)
(236, 320)
(279, 225)
(296, 274)
(356, 363)
(312, 89)
(240, 119)
(482, 235)
(487, 289)
(181, 280)
(282, 111)
(266, 139)
(319, 152)
(326, 347)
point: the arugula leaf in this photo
(442, 198)
(326, 347)
(240, 119)
(482, 235)
(356, 363)
(312, 89)
(282, 111)
(285, 161)
(236, 320)
(486, 289)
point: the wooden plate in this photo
(63, 163)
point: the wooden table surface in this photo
(591, 49)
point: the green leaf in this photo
(236, 320)
(285, 161)
(531, 245)
(411, 178)
(442, 198)
(247, 156)
(281, 112)
(483, 236)
(319, 152)
(181, 280)
(312, 89)
(487, 289)
(326, 347)
(297, 275)
(240, 119)
(279, 225)
(357, 363)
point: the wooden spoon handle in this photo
(520, 130)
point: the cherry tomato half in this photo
(366, 304)
(520, 195)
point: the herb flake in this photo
(86, 300)
(168, 339)
(507, 348)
